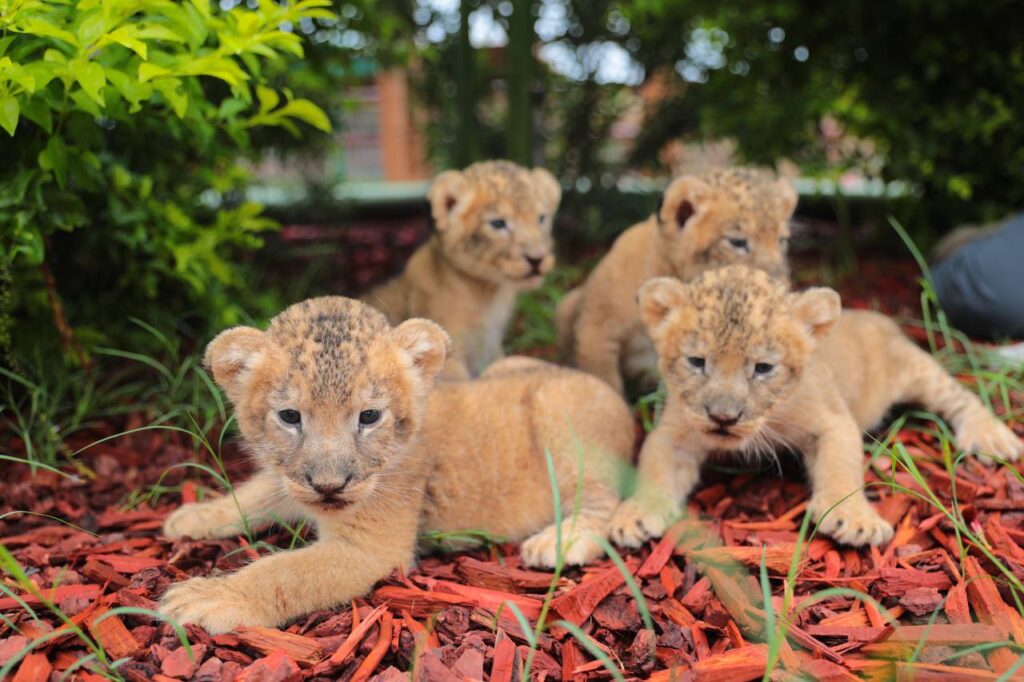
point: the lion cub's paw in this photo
(636, 521)
(212, 603)
(985, 434)
(852, 522)
(201, 521)
(578, 547)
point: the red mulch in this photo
(700, 582)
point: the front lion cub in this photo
(350, 432)
(493, 239)
(749, 366)
(735, 215)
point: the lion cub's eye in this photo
(763, 368)
(290, 416)
(542, 218)
(369, 417)
(499, 224)
(696, 363)
(740, 244)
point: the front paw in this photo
(851, 522)
(984, 434)
(200, 521)
(216, 604)
(578, 547)
(637, 520)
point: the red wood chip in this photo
(277, 667)
(33, 668)
(577, 604)
(179, 664)
(305, 651)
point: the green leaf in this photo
(267, 97)
(304, 110)
(150, 71)
(46, 29)
(42, 72)
(157, 32)
(55, 158)
(171, 89)
(129, 37)
(9, 111)
(91, 26)
(91, 77)
(30, 245)
(203, 6)
(12, 193)
(132, 90)
(38, 111)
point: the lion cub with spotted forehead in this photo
(350, 432)
(749, 366)
(736, 215)
(493, 239)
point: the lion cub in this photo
(341, 412)
(749, 365)
(493, 240)
(738, 215)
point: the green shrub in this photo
(123, 122)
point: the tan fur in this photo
(452, 457)
(826, 377)
(467, 276)
(598, 324)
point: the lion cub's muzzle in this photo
(329, 494)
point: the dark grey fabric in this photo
(981, 285)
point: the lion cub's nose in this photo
(332, 489)
(534, 261)
(724, 417)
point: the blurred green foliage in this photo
(929, 93)
(123, 122)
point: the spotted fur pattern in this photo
(749, 367)
(493, 240)
(731, 216)
(376, 453)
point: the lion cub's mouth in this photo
(332, 503)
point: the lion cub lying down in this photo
(493, 240)
(737, 215)
(749, 365)
(349, 431)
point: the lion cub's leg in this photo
(256, 503)
(667, 474)
(566, 315)
(275, 589)
(977, 430)
(580, 528)
(835, 467)
(589, 446)
(598, 349)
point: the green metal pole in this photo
(466, 147)
(520, 69)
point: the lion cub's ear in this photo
(426, 343)
(680, 202)
(450, 195)
(231, 355)
(787, 196)
(546, 185)
(657, 299)
(818, 308)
